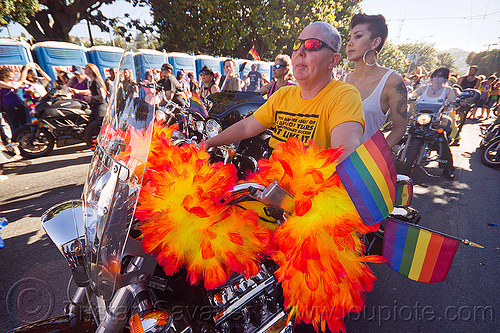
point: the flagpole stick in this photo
(464, 241)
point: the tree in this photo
(232, 27)
(487, 62)
(445, 59)
(392, 57)
(427, 55)
(54, 19)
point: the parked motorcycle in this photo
(427, 132)
(466, 101)
(490, 144)
(57, 120)
(122, 288)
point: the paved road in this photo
(33, 274)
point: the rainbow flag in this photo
(254, 54)
(196, 105)
(369, 176)
(418, 254)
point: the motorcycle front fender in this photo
(64, 224)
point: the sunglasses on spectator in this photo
(278, 66)
(310, 44)
(205, 73)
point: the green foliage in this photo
(487, 62)
(392, 57)
(53, 20)
(445, 59)
(428, 56)
(17, 11)
(232, 27)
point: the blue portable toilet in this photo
(14, 54)
(105, 57)
(183, 61)
(52, 55)
(151, 59)
(217, 64)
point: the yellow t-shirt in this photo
(291, 115)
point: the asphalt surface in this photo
(34, 275)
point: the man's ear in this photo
(335, 60)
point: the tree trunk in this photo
(64, 18)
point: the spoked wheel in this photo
(491, 154)
(32, 145)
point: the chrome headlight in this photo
(200, 126)
(212, 128)
(424, 119)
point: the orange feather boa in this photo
(186, 223)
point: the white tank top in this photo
(374, 116)
(424, 98)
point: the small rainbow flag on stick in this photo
(369, 176)
(419, 254)
(254, 54)
(197, 105)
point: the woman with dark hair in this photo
(438, 92)
(11, 104)
(382, 90)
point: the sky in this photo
(471, 25)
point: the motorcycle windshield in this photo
(116, 171)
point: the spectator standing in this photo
(232, 79)
(181, 77)
(470, 80)
(485, 87)
(208, 85)
(34, 88)
(255, 80)
(11, 105)
(110, 80)
(78, 82)
(281, 75)
(193, 84)
(171, 87)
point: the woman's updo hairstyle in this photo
(376, 26)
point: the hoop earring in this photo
(364, 57)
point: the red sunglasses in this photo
(310, 44)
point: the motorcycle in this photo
(490, 144)
(466, 101)
(224, 109)
(428, 131)
(123, 288)
(57, 120)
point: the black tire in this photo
(92, 132)
(31, 147)
(491, 154)
(411, 155)
(490, 134)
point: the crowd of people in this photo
(379, 93)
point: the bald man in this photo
(318, 109)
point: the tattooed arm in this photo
(398, 105)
